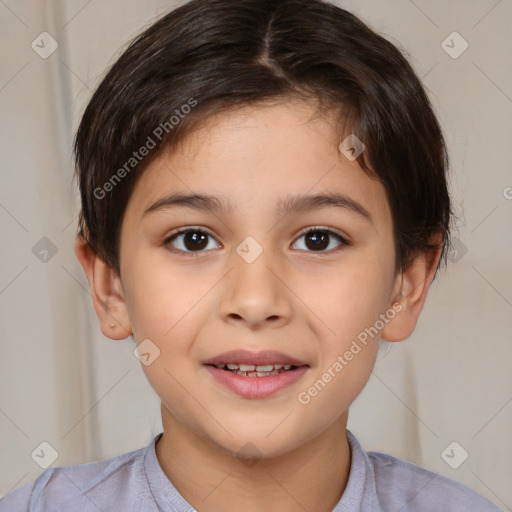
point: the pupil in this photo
(318, 242)
(194, 240)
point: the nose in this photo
(256, 295)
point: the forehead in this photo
(254, 157)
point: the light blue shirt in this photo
(135, 481)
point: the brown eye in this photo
(194, 240)
(190, 240)
(319, 239)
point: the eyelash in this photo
(343, 241)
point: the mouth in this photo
(278, 360)
(251, 370)
(255, 374)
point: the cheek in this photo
(346, 299)
(358, 294)
(162, 298)
(335, 389)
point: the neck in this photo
(311, 477)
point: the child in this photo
(263, 182)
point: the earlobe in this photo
(106, 290)
(414, 283)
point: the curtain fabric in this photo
(441, 399)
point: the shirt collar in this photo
(359, 494)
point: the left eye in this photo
(194, 240)
(318, 239)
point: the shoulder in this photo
(400, 483)
(100, 485)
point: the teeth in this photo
(263, 374)
(243, 369)
(257, 374)
(266, 368)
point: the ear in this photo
(410, 293)
(107, 292)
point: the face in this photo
(252, 275)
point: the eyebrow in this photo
(290, 204)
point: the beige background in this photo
(62, 382)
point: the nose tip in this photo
(254, 295)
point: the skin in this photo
(307, 303)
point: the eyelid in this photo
(187, 229)
(301, 232)
(307, 230)
(183, 230)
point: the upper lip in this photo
(261, 358)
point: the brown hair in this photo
(208, 56)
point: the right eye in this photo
(190, 240)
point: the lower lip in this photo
(256, 387)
